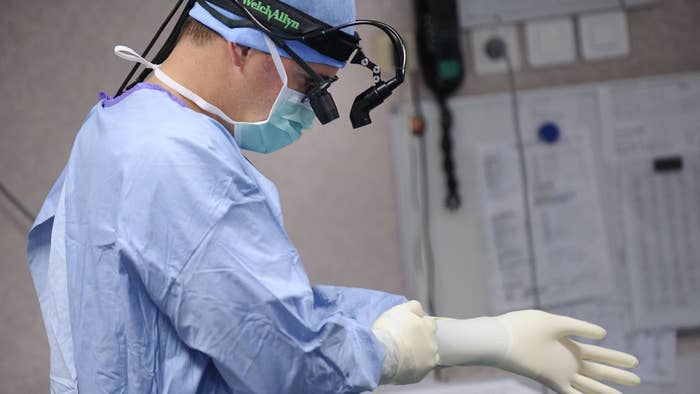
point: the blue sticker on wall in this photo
(550, 133)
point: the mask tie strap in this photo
(129, 54)
(277, 59)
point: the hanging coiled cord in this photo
(453, 200)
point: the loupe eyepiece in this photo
(366, 102)
(359, 114)
(324, 107)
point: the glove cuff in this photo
(409, 339)
(391, 361)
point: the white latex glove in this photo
(535, 344)
(410, 342)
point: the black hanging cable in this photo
(170, 42)
(443, 70)
(453, 200)
(16, 203)
(149, 46)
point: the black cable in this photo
(16, 203)
(149, 46)
(170, 42)
(453, 200)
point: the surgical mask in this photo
(289, 117)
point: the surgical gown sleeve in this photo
(199, 233)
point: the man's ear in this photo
(239, 54)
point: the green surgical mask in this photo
(288, 119)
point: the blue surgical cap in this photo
(332, 12)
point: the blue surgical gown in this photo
(162, 265)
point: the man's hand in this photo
(536, 344)
(410, 343)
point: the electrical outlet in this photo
(483, 65)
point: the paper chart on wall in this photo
(568, 233)
(570, 243)
(662, 252)
(643, 118)
(512, 279)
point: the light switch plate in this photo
(550, 42)
(604, 35)
(483, 65)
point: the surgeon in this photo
(161, 261)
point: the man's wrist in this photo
(479, 341)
